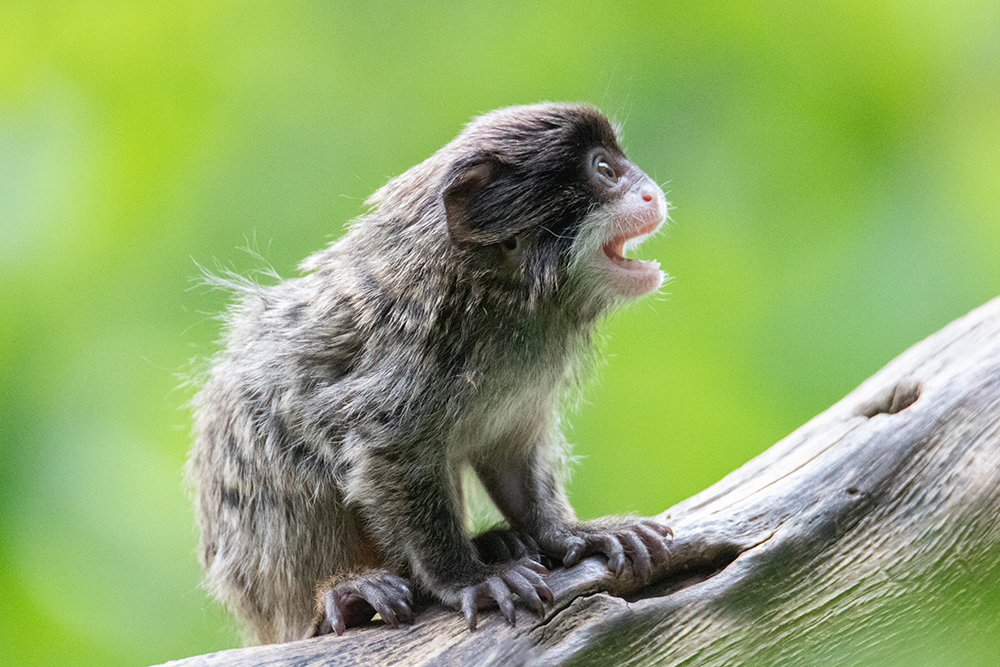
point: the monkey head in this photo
(546, 193)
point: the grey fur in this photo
(441, 331)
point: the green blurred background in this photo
(835, 168)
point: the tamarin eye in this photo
(606, 171)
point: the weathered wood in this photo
(871, 535)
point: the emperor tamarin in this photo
(440, 333)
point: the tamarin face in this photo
(547, 189)
(632, 209)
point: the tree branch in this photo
(870, 535)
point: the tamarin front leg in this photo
(528, 493)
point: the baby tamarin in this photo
(440, 332)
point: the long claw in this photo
(526, 590)
(405, 613)
(388, 615)
(350, 600)
(333, 612)
(642, 565)
(573, 553)
(660, 528)
(469, 607)
(616, 555)
(500, 593)
(535, 566)
(639, 544)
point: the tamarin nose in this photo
(649, 192)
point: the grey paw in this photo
(641, 544)
(350, 600)
(521, 577)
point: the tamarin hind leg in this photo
(352, 599)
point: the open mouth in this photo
(616, 248)
(626, 276)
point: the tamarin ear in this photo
(467, 184)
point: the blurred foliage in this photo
(835, 168)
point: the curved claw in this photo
(574, 551)
(661, 528)
(527, 590)
(501, 593)
(639, 545)
(334, 615)
(615, 553)
(521, 577)
(469, 607)
(349, 600)
(638, 552)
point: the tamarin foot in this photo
(346, 601)
(640, 543)
(521, 577)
